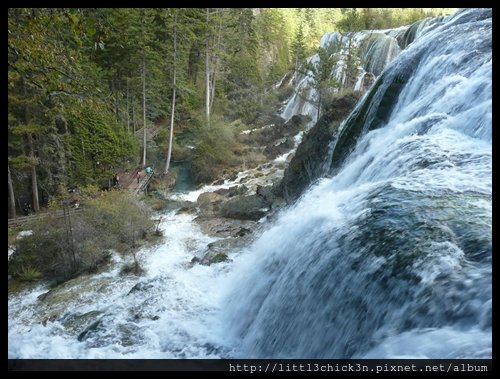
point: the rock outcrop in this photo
(307, 163)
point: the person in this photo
(117, 180)
(138, 176)
(25, 209)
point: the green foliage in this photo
(120, 217)
(321, 72)
(214, 152)
(97, 144)
(28, 274)
(351, 20)
(112, 221)
(75, 77)
(298, 48)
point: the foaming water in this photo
(391, 256)
(377, 49)
(169, 314)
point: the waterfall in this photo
(390, 256)
(377, 48)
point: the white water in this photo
(391, 257)
(185, 300)
(324, 281)
(378, 49)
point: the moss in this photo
(15, 285)
(219, 257)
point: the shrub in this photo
(28, 274)
(59, 250)
(215, 151)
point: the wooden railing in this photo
(14, 222)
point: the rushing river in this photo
(387, 256)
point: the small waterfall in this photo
(377, 49)
(390, 257)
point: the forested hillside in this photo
(82, 82)
(219, 184)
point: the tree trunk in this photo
(216, 62)
(34, 181)
(319, 104)
(134, 122)
(128, 112)
(144, 107)
(12, 200)
(169, 154)
(207, 73)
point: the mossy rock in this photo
(252, 207)
(219, 257)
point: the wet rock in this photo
(222, 191)
(172, 205)
(222, 227)
(218, 251)
(207, 199)
(186, 210)
(219, 257)
(308, 162)
(266, 193)
(141, 286)
(273, 151)
(209, 202)
(278, 202)
(92, 328)
(242, 232)
(75, 321)
(218, 182)
(213, 256)
(237, 190)
(251, 207)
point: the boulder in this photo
(237, 190)
(251, 207)
(222, 227)
(266, 193)
(273, 151)
(209, 202)
(141, 286)
(213, 257)
(307, 164)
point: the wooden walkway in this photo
(14, 222)
(128, 180)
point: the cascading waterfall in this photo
(377, 48)
(391, 256)
(388, 257)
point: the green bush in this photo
(96, 137)
(29, 274)
(215, 151)
(113, 220)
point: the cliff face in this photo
(307, 164)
